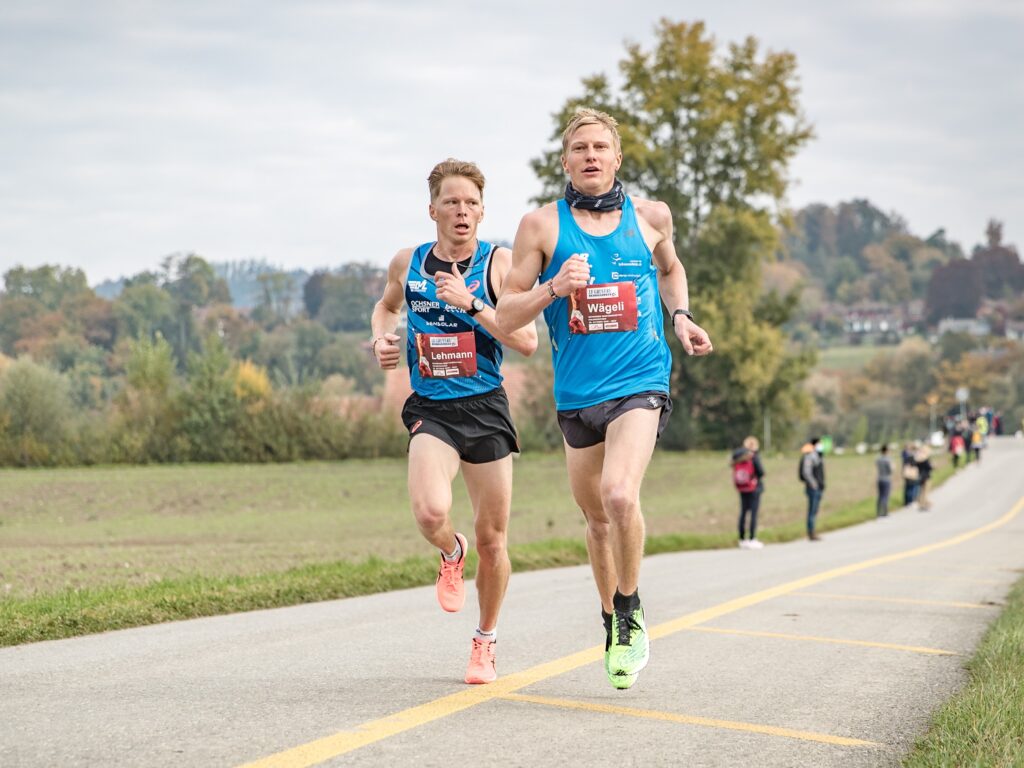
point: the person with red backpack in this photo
(747, 474)
(957, 446)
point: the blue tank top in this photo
(595, 367)
(427, 315)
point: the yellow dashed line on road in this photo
(898, 600)
(932, 579)
(324, 749)
(709, 722)
(835, 640)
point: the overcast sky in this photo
(302, 132)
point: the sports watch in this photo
(476, 306)
(686, 312)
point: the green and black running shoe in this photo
(629, 648)
(618, 681)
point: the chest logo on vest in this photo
(417, 286)
(446, 355)
(603, 308)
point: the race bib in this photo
(603, 308)
(446, 355)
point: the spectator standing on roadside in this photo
(977, 443)
(957, 446)
(908, 470)
(747, 475)
(884, 466)
(922, 458)
(812, 475)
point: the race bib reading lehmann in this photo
(446, 355)
(603, 308)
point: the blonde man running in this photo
(603, 259)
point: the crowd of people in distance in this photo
(966, 439)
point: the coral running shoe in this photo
(630, 648)
(481, 662)
(451, 586)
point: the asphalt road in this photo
(831, 653)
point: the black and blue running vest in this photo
(438, 331)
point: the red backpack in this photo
(743, 476)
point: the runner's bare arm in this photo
(387, 312)
(522, 298)
(452, 290)
(672, 277)
(522, 340)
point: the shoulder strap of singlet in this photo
(415, 261)
(490, 265)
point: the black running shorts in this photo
(479, 427)
(587, 426)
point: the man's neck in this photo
(452, 252)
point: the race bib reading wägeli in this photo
(603, 308)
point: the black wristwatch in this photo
(686, 312)
(476, 306)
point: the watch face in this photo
(478, 304)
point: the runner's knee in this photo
(430, 514)
(491, 547)
(620, 500)
(599, 529)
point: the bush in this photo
(35, 416)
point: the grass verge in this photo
(983, 725)
(73, 612)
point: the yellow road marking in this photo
(732, 725)
(320, 750)
(932, 579)
(815, 639)
(900, 600)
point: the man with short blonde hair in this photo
(605, 263)
(453, 167)
(587, 116)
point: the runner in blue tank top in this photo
(458, 415)
(599, 265)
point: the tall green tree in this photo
(144, 309)
(711, 134)
(347, 301)
(192, 283)
(48, 284)
(275, 303)
(210, 409)
(147, 408)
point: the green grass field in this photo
(848, 358)
(983, 725)
(84, 550)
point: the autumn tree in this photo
(998, 264)
(954, 290)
